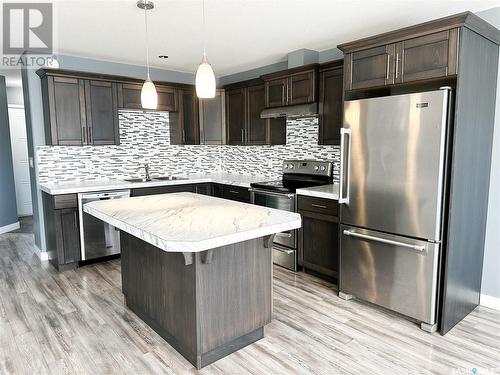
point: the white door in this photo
(19, 143)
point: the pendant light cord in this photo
(147, 39)
(204, 34)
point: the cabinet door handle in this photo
(397, 64)
(84, 135)
(318, 205)
(89, 129)
(242, 136)
(387, 67)
(234, 191)
(75, 219)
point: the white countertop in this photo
(188, 222)
(324, 191)
(101, 185)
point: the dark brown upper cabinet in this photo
(64, 111)
(184, 124)
(79, 112)
(302, 88)
(370, 67)
(276, 92)
(101, 113)
(291, 87)
(129, 95)
(429, 56)
(244, 103)
(256, 126)
(235, 116)
(213, 119)
(418, 53)
(331, 102)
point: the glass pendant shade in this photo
(149, 97)
(205, 80)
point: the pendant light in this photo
(205, 77)
(149, 97)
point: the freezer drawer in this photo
(398, 273)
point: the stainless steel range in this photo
(280, 194)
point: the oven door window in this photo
(282, 202)
(274, 201)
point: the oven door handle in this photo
(286, 251)
(284, 234)
(265, 192)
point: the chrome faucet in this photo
(146, 170)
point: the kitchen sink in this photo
(137, 180)
(168, 178)
(161, 178)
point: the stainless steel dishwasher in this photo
(97, 238)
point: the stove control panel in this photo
(311, 167)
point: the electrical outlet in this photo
(269, 164)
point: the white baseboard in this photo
(9, 228)
(490, 301)
(43, 255)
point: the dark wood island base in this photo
(207, 304)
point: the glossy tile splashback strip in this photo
(145, 138)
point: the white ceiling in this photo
(240, 34)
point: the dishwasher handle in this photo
(105, 195)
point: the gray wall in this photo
(295, 58)
(491, 274)
(8, 209)
(34, 113)
(253, 73)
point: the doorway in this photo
(19, 144)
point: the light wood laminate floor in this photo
(76, 322)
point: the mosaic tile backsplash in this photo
(145, 138)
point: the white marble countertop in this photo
(323, 191)
(188, 222)
(100, 185)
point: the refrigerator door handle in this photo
(344, 199)
(352, 233)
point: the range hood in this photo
(302, 110)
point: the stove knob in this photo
(316, 167)
(286, 166)
(291, 166)
(323, 168)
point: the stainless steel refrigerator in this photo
(393, 152)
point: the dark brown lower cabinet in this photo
(235, 193)
(62, 230)
(205, 188)
(217, 190)
(319, 236)
(139, 192)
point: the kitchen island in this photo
(197, 269)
